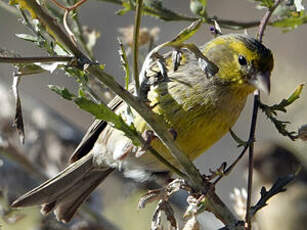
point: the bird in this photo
(199, 107)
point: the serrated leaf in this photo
(63, 92)
(100, 111)
(271, 112)
(27, 37)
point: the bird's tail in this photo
(67, 191)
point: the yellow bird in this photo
(200, 108)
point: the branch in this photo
(277, 187)
(214, 203)
(31, 60)
(265, 20)
(261, 29)
(169, 15)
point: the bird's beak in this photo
(261, 81)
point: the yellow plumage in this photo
(199, 107)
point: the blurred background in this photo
(120, 196)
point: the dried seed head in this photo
(145, 36)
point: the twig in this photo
(261, 29)
(277, 187)
(137, 23)
(29, 60)
(231, 167)
(251, 157)
(75, 6)
(67, 29)
(173, 16)
(54, 27)
(265, 20)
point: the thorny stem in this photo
(264, 22)
(137, 23)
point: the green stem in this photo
(137, 24)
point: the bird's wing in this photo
(154, 73)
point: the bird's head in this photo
(242, 60)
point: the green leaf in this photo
(103, 112)
(292, 98)
(100, 111)
(271, 113)
(62, 92)
(27, 37)
(186, 33)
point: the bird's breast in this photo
(199, 118)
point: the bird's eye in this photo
(242, 60)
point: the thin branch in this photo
(261, 29)
(265, 20)
(251, 157)
(137, 23)
(231, 24)
(30, 60)
(53, 26)
(231, 167)
(75, 6)
(277, 187)
(173, 16)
